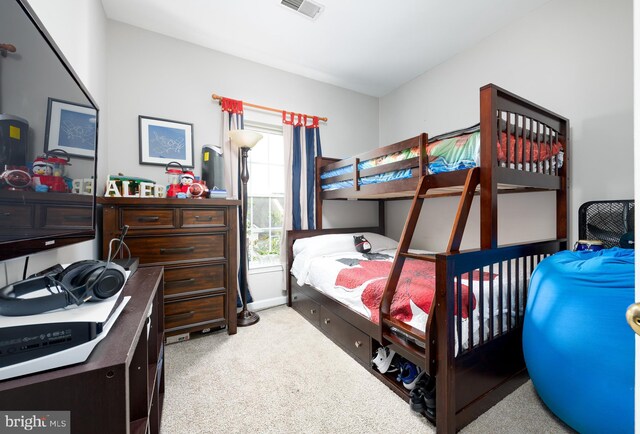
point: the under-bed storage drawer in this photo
(305, 306)
(352, 339)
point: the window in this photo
(265, 196)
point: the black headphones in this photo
(80, 282)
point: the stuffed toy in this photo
(362, 245)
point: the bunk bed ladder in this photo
(406, 339)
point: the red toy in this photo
(186, 180)
(49, 169)
(174, 174)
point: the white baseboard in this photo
(266, 304)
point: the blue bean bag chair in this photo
(577, 345)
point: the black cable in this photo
(24, 271)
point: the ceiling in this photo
(369, 46)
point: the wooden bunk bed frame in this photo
(468, 380)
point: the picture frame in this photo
(71, 127)
(163, 140)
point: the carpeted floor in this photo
(283, 376)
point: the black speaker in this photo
(14, 136)
(78, 283)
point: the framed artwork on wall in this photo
(71, 127)
(163, 140)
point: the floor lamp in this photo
(244, 140)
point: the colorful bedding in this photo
(358, 282)
(457, 150)
(331, 265)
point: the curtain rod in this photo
(270, 109)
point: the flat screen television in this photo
(48, 140)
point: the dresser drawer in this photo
(305, 306)
(165, 249)
(184, 281)
(200, 218)
(16, 216)
(351, 339)
(148, 218)
(60, 216)
(194, 312)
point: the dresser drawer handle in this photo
(179, 316)
(179, 282)
(75, 218)
(295, 297)
(179, 250)
(327, 320)
(206, 218)
(153, 218)
(358, 344)
(313, 311)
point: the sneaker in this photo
(410, 375)
(423, 395)
(382, 360)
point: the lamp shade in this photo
(244, 138)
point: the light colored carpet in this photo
(283, 376)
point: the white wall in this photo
(573, 57)
(154, 75)
(79, 29)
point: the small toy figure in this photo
(361, 243)
(186, 180)
(48, 170)
(42, 171)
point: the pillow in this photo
(306, 249)
(380, 242)
(324, 244)
(336, 243)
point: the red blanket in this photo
(417, 284)
(541, 152)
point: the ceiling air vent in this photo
(307, 8)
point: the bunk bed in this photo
(521, 147)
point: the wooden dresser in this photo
(196, 242)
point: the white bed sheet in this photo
(322, 272)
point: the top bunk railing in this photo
(531, 142)
(408, 157)
(521, 145)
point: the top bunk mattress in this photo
(456, 150)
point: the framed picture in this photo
(72, 128)
(162, 141)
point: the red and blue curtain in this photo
(301, 137)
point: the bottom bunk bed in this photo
(475, 358)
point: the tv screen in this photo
(48, 141)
